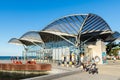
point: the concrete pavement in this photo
(109, 71)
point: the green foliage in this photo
(112, 49)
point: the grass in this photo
(16, 75)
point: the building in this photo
(69, 35)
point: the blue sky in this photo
(19, 16)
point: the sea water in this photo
(18, 57)
(8, 57)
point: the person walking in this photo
(114, 59)
(82, 59)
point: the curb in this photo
(53, 76)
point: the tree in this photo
(112, 49)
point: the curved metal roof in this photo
(15, 41)
(71, 25)
(32, 36)
(19, 42)
(115, 35)
(74, 24)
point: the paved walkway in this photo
(109, 71)
(57, 72)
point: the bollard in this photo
(73, 65)
(68, 60)
(62, 63)
(70, 63)
(63, 60)
(67, 64)
(73, 59)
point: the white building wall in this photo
(97, 50)
(58, 52)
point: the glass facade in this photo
(52, 49)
